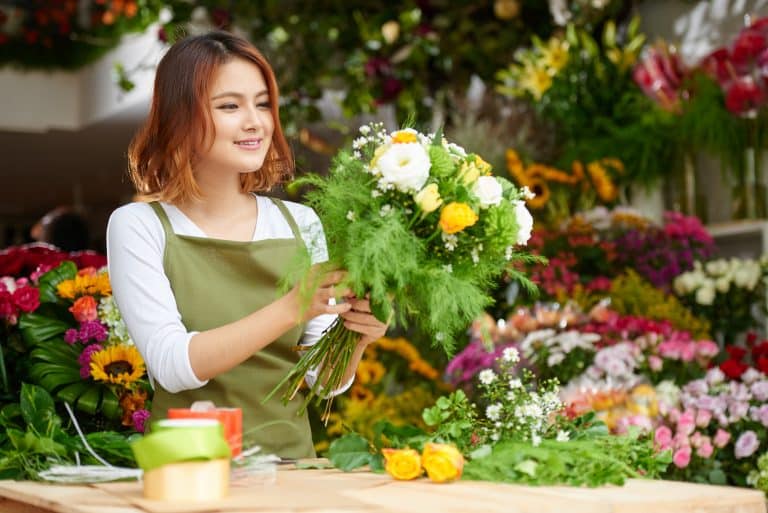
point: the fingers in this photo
(340, 309)
(365, 319)
(360, 305)
(368, 331)
(332, 278)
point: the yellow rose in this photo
(456, 216)
(443, 462)
(428, 199)
(469, 172)
(403, 464)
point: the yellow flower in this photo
(604, 186)
(370, 371)
(121, 364)
(536, 80)
(469, 172)
(456, 216)
(555, 55)
(403, 464)
(404, 137)
(428, 199)
(541, 190)
(86, 284)
(443, 462)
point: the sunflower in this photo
(541, 190)
(121, 364)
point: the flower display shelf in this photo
(746, 238)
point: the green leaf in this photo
(67, 270)
(527, 467)
(37, 409)
(10, 415)
(37, 328)
(442, 163)
(432, 416)
(89, 401)
(377, 463)
(110, 405)
(481, 452)
(349, 452)
(717, 477)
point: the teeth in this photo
(247, 143)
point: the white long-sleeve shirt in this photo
(142, 291)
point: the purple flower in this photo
(139, 419)
(93, 330)
(71, 336)
(85, 359)
(760, 390)
(746, 445)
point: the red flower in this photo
(748, 45)
(760, 349)
(733, 368)
(744, 95)
(6, 304)
(718, 65)
(27, 298)
(751, 338)
(736, 353)
(88, 258)
(762, 364)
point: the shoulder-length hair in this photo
(161, 155)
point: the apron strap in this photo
(288, 217)
(163, 218)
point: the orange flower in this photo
(130, 402)
(85, 309)
(402, 464)
(443, 462)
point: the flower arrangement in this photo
(559, 194)
(419, 225)
(80, 350)
(583, 87)
(719, 428)
(32, 260)
(725, 291)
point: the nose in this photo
(254, 119)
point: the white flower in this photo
(555, 358)
(747, 274)
(488, 191)
(365, 129)
(510, 354)
(508, 253)
(524, 223)
(487, 376)
(375, 193)
(385, 210)
(475, 256)
(562, 436)
(448, 268)
(493, 412)
(350, 215)
(535, 439)
(450, 240)
(716, 267)
(405, 165)
(515, 383)
(722, 284)
(706, 294)
(751, 375)
(527, 193)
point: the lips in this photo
(249, 144)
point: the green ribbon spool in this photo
(180, 440)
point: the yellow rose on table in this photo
(402, 464)
(428, 199)
(456, 216)
(443, 462)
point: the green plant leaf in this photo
(10, 415)
(37, 328)
(38, 410)
(89, 401)
(349, 452)
(110, 405)
(442, 163)
(67, 270)
(717, 477)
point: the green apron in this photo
(216, 282)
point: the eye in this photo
(263, 105)
(227, 106)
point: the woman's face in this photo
(242, 120)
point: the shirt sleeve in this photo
(142, 291)
(313, 235)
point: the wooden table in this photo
(315, 491)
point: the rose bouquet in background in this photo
(420, 226)
(32, 260)
(80, 350)
(728, 292)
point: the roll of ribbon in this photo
(180, 440)
(231, 419)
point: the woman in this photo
(195, 266)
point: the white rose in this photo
(406, 166)
(722, 284)
(747, 275)
(717, 267)
(524, 223)
(705, 295)
(488, 190)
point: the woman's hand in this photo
(319, 302)
(360, 319)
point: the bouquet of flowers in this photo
(422, 227)
(725, 291)
(80, 348)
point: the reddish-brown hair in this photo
(160, 156)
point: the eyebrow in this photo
(238, 95)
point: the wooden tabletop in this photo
(316, 491)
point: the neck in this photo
(221, 195)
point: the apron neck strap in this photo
(163, 218)
(288, 217)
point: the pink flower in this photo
(722, 437)
(703, 416)
(706, 348)
(655, 363)
(663, 438)
(85, 359)
(686, 423)
(746, 445)
(682, 457)
(139, 419)
(705, 449)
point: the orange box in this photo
(231, 419)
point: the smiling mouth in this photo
(249, 144)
